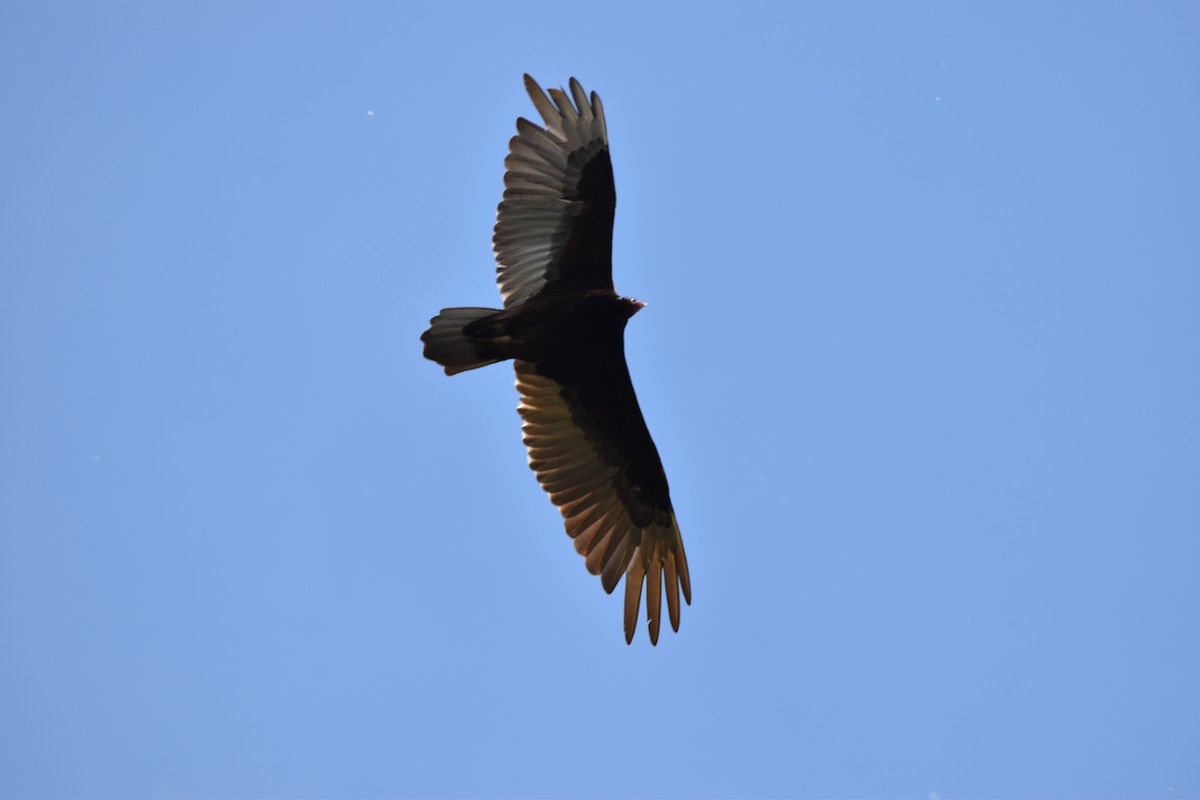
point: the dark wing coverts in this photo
(593, 455)
(554, 226)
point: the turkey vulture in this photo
(564, 328)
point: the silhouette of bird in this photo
(564, 328)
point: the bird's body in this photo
(564, 328)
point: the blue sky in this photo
(921, 356)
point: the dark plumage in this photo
(564, 327)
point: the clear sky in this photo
(921, 355)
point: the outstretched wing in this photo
(592, 453)
(554, 226)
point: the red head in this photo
(632, 306)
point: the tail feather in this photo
(447, 344)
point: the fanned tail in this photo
(447, 343)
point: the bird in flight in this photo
(564, 328)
